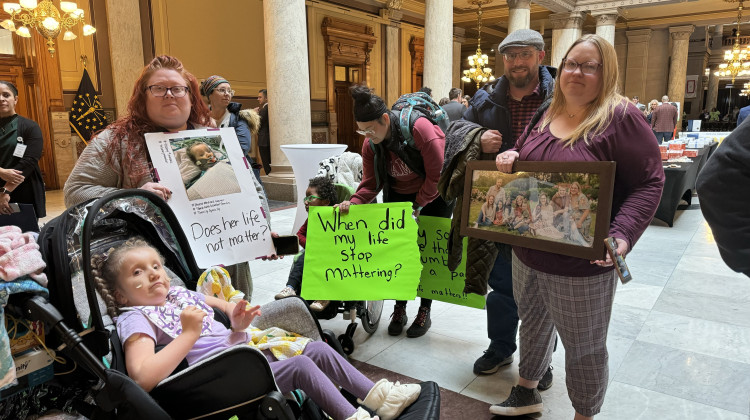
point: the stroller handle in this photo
(87, 232)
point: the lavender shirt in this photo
(220, 338)
(639, 179)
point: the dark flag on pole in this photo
(86, 114)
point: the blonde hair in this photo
(600, 111)
(106, 270)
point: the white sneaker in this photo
(319, 305)
(285, 292)
(362, 414)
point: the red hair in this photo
(133, 126)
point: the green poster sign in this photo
(368, 254)
(437, 282)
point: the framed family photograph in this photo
(560, 207)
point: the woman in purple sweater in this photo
(587, 120)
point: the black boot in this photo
(398, 320)
(421, 323)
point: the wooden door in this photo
(345, 119)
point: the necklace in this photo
(569, 114)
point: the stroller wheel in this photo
(371, 315)
(347, 343)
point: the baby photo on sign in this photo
(205, 167)
(559, 207)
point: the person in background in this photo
(443, 101)
(587, 120)
(21, 146)
(426, 90)
(663, 120)
(744, 112)
(466, 100)
(226, 113)
(402, 173)
(455, 108)
(264, 134)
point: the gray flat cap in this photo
(522, 38)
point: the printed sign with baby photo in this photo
(213, 194)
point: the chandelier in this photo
(745, 89)
(46, 19)
(735, 60)
(477, 62)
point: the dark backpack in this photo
(411, 106)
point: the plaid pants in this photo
(578, 309)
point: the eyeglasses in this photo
(310, 198)
(589, 67)
(176, 91)
(366, 132)
(225, 91)
(524, 55)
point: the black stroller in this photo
(237, 381)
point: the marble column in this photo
(125, 49)
(716, 40)
(392, 56)
(678, 65)
(637, 63)
(438, 38)
(605, 25)
(567, 28)
(713, 88)
(458, 39)
(519, 14)
(288, 81)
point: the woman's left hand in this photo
(504, 161)
(579, 224)
(243, 314)
(158, 189)
(12, 176)
(622, 249)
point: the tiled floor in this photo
(679, 341)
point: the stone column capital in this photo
(393, 14)
(572, 20)
(681, 32)
(639, 35)
(519, 4)
(459, 34)
(606, 17)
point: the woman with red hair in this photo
(166, 98)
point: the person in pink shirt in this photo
(403, 172)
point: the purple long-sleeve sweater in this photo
(639, 179)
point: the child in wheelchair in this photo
(320, 192)
(133, 282)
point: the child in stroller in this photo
(132, 280)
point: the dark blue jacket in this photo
(488, 106)
(240, 127)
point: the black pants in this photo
(265, 156)
(437, 207)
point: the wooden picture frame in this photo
(570, 189)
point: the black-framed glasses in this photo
(161, 91)
(310, 198)
(225, 91)
(524, 55)
(589, 67)
(366, 132)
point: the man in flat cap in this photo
(504, 107)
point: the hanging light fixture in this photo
(477, 62)
(46, 19)
(736, 59)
